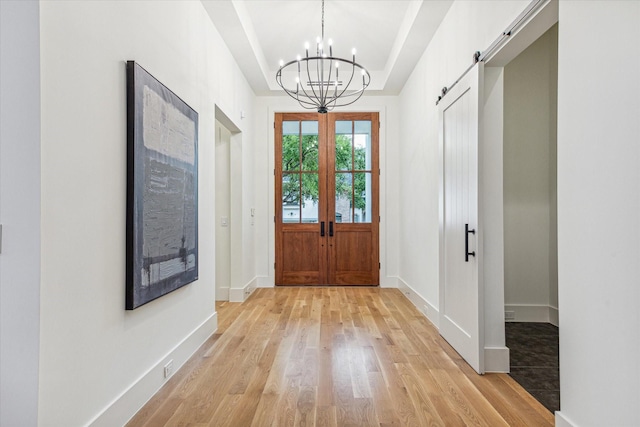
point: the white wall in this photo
(530, 244)
(598, 205)
(19, 212)
(99, 362)
(264, 164)
(468, 27)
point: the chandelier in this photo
(323, 81)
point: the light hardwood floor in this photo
(333, 357)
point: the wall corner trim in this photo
(241, 294)
(389, 282)
(496, 359)
(222, 294)
(265, 282)
(127, 404)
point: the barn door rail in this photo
(497, 43)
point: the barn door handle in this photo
(322, 229)
(330, 228)
(466, 243)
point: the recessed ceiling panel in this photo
(370, 26)
(389, 35)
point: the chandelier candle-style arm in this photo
(315, 73)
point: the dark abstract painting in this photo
(162, 189)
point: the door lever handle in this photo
(322, 229)
(466, 243)
(330, 228)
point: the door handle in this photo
(466, 243)
(330, 228)
(322, 229)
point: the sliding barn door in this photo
(461, 320)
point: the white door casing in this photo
(461, 294)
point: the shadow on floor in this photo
(534, 358)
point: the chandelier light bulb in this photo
(281, 63)
(353, 51)
(306, 45)
(330, 42)
(298, 58)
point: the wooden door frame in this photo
(323, 212)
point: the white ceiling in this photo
(389, 35)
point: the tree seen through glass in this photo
(300, 168)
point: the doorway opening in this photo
(326, 199)
(229, 208)
(223, 211)
(530, 218)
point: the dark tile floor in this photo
(533, 353)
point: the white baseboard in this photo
(562, 421)
(496, 359)
(424, 306)
(125, 406)
(222, 294)
(531, 313)
(241, 294)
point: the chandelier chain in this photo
(322, 19)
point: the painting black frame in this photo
(166, 161)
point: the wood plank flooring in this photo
(318, 356)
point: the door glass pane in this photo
(291, 197)
(344, 195)
(290, 146)
(291, 128)
(362, 197)
(344, 127)
(310, 127)
(362, 145)
(344, 136)
(310, 152)
(310, 197)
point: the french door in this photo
(327, 204)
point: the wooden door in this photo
(461, 320)
(326, 188)
(353, 199)
(301, 186)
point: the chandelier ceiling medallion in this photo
(315, 81)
